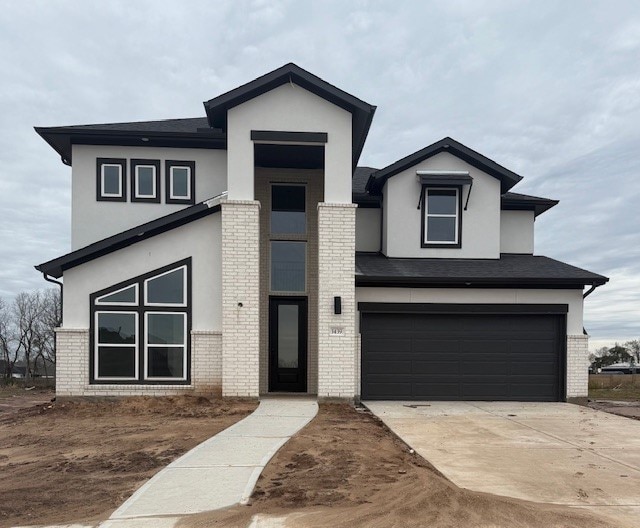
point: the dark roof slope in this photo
(189, 132)
(507, 178)
(358, 187)
(57, 266)
(523, 202)
(361, 111)
(507, 271)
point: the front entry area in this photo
(287, 344)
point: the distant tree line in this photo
(629, 352)
(27, 332)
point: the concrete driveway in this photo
(544, 452)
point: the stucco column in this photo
(240, 298)
(336, 278)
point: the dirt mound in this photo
(347, 469)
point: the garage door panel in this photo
(461, 356)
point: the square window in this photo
(110, 180)
(180, 182)
(441, 217)
(166, 328)
(146, 180)
(288, 209)
(165, 362)
(288, 266)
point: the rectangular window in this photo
(116, 337)
(145, 184)
(441, 217)
(288, 209)
(166, 346)
(288, 266)
(180, 181)
(110, 180)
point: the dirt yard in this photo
(62, 462)
(347, 469)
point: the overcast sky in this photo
(549, 89)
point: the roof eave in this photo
(476, 282)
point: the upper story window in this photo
(180, 182)
(441, 222)
(111, 180)
(288, 209)
(140, 328)
(145, 183)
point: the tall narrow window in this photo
(140, 329)
(110, 180)
(288, 209)
(441, 217)
(288, 266)
(145, 183)
(180, 182)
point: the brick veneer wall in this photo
(72, 361)
(577, 366)
(240, 298)
(336, 272)
(206, 362)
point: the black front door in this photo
(288, 344)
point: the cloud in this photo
(549, 90)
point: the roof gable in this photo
(507, 178)
(361, 111)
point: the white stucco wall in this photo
(200, 239)
(484, 296)
(289, 108)
(516, 231)
(92, 220)
(480, 222)
(368, 229)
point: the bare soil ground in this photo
(621, 393)
(73, 461)
(623, 400)
(347, 469)
(15, 397)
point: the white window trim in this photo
(101, 303)
(183, 346)
(154, 179)
(97, 345)
(427, 215)
(179, 197)
(105, 194)
(184, 288)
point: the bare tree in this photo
(27, 309)
(50, 318)
(633, 347)
(8, 350)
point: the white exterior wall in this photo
(480, 222)
(200, 239)
(573, 298)
(516, 231)
(92, 220)
(368, 225)
(293, 109)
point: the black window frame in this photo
(141, 309)
(139, 162)
(423, 217)
(169, 164)
(123, 179)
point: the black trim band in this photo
(295, 137)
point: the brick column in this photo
(577, 367)
(206, 361)
(336, 277)
(240, 298)
(72, 361)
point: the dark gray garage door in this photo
(417, 356)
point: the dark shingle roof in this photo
(189, 124)
(508, 270)
(519, 202)
(358, 184)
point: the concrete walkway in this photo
(554, 453)
(218, 473)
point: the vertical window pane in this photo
(288, 265)
(116, 362)
(116, 328)
(288, 209)
(441, 202)
(166, 289)
(111, 180)
(180, 182)
(441, 229)
(288, 336)
(165, 329)
(165, 362)
(145, 181)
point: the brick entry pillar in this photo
(240, 298)
(336, 278)
(577, 367)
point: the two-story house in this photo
(246, 253)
